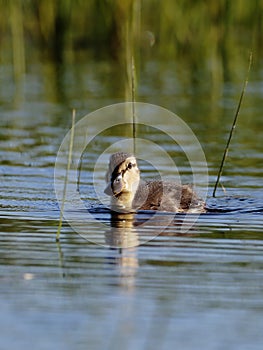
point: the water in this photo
(202, 289)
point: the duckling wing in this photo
(181, 198)
(153, 199)
(157, 195)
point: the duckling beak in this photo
(108, 190)
(115, 186)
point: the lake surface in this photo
(196, 290)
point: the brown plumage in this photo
(129, 193)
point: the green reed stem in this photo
(66, 176)
(233, 127)
(133, 105)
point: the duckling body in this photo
(129, 193)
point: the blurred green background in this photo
(198, 34)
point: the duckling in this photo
(129, 193)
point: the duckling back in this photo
(167, 196)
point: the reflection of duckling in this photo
(128, 193)
(122, 233)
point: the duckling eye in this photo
(118, 178)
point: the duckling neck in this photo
(123, 201)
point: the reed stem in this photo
(133, 105)
(66, 176)
(233, 127)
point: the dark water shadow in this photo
(231, 204)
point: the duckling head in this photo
(123, 178)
